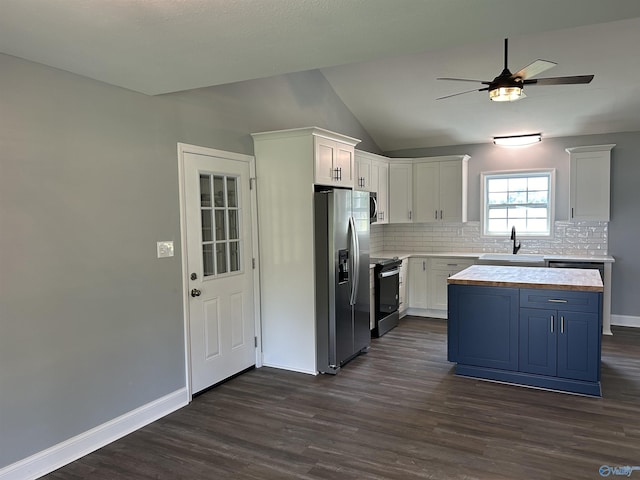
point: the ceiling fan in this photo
(508, 87)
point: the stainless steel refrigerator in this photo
(342, 277)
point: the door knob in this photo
(195, 292)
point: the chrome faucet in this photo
(513, 237)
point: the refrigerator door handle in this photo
(355, 264)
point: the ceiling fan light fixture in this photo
(518, 140)
(506, 94)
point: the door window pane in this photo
(207, 260)
(205, 190)
(207, 227)
(221, 229)
(221, 258)
(233, 225)
(232, 199)
(218, 191)
(234, 256)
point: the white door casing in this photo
(219, 243)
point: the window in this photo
(220, 224)
(521, 199)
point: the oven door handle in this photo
(390, 273)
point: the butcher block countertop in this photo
(586, 280)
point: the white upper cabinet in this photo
(372, 175)
(590, 183)
(440, 189)
(363, 179)
(400, 192)
(334, 159)
(427, 190)
(380, 177)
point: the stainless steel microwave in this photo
(373, 207)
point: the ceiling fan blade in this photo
(462, 93)
(484, 82)
(533, 69)
(575, 80)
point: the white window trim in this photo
(523, 172)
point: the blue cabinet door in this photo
(579, 345)
(538, 341)
(483, 326)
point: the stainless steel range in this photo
(387, 298)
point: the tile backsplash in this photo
(569, 238)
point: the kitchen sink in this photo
(511, 260)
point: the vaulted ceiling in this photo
(381, 56)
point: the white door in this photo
(221, 327)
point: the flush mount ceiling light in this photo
(518, 140)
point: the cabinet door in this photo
(439, 270)
(483, 326)
(578, 345)
(380, 177)
(437, 297)
(333, 163)
(538, 341)
(325, 153)
(400, 194)
(364, 179)
(372, 299)
(344, 162)
(418, 283)
(451, 192)
(590, 184)
(426, 192)
(403, 280)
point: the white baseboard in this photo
(52, 458)
(625, 321)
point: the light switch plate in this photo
(165, 249)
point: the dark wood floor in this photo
(396, 413)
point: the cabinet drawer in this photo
(560, 300)
(449, 264)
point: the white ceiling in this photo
(381, 56)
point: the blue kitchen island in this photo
(537, 327)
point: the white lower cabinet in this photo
(372, 299)
(404, 280)
(428, 284)
(439, 270)
(417, 284)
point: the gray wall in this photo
(90, 320)
(624, 227)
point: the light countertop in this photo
(475, 255)
(530, 277)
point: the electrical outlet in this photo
(165, 249)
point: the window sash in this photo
(523, 199)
